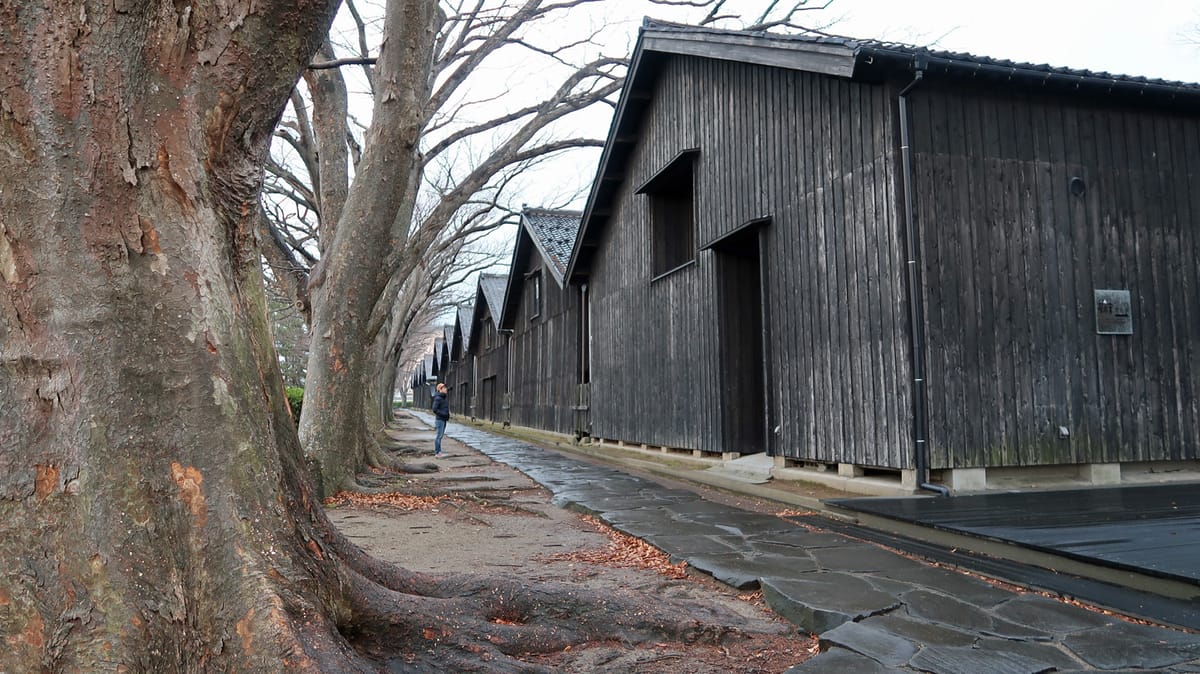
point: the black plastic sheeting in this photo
(1153, 529)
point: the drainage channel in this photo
(1134, 594)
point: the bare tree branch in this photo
(562, 97)
(338, 63)
(364, 50)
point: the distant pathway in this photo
(874, 610)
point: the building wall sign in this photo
(1114, 312)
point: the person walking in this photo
(441, 410)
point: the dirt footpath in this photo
(477, 516)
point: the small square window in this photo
(671, 194)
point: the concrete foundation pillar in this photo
(849, 470)
(966, 479)
(1101, 473)
(908, 479)
(730, 456)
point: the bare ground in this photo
(479, 517)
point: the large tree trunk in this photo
(386, 390)
(396, 334)
(350, 279)
(152, 513)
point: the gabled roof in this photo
(552, 234)
(461, 332)
(428, 364)
(464, 321)
(489, 296)
(493, 286)
(441, 353)
(865, 60)
(438, 363)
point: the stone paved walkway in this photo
(874, 610)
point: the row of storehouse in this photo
(863, 256)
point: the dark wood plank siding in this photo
(458, 377)
(1011, 260)
(653, 349)
(489, 354)
(545, 355)
(816, 156)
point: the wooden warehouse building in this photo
(487, 349)
(423, 382)
(543, 320)
(461, 372)
(872, 256)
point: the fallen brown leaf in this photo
(397, 500)
(624, 551)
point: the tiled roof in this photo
(858, 45)
(464, 323)
(493, 286)
(553, 232)
(965, 57)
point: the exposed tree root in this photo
(459, 479)
(406, 450)
(364, 484)
(414, 622)
(392, 444)
(507, 507)
(470, 623)
(377, 457)
(417, 468)
(404, 621)
(467, 514)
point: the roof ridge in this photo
(857, 43)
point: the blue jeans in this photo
(440, 426)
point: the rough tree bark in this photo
(147, 475)
(154, 512)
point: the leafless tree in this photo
(470, 149)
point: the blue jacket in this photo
(441, 408)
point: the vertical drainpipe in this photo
(916, 310)
(583, 414)
(510, 373)
(584, 326)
